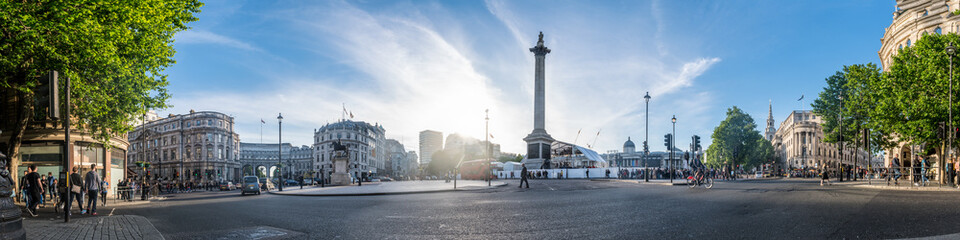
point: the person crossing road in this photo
(523, 177)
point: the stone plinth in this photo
(340, 175)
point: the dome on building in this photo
(629, 144)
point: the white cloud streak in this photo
(410, 77)
(194, 36)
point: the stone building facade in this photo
(257, 158)
(365, 145)
(631, 158)
(914, 18)
(43, 145)
(798, 143)
(194, 147)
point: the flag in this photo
(262, 121)
(491, 135)
(801, 97)
(351, 114)
(578, 131)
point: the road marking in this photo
(111, 211)
(551, 189)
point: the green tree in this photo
(113, 51)
(734, 140)
(510, 158)
(850, 93)
(912, 97)
(762, 153)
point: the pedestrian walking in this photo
(23, 188)
(103, 191)
(92, 183)
(34, 189)
(523, 177)
(824, 176)
(51, 184)
(76, 189)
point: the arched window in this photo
(901, 46)
(925, 12)
(938, 31)
(908, 42)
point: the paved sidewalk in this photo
(387, 188)
(91, 227)
(904, 185)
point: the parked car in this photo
(291, 182)
(226, 186)
(251, 184)
(386, 179)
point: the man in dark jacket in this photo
(34, 189)
(523, 177)
(92, 183)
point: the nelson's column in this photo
(538, 142)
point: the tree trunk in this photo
(21, 119)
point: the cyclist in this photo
(697, 168)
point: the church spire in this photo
(770, 131)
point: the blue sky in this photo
(416, 65)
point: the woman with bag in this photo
(76, 189)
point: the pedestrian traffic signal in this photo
(47, 94)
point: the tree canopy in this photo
(912, 97)
(851, 94)
(736, 141)
(114, 53)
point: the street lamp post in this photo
(840, 163)
(673, 145)
(646, 132)
(486, 137)
(950, 51)
(280, 151)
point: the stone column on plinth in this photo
(538, 141)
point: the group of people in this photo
(36, 189)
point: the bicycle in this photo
(700, 179)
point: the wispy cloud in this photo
(409, 73)
(194, 36)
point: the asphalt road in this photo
(568, 209)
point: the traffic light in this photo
(686, 156)
(646, 148)
(47, 94)
(696, 143)
(668, 140)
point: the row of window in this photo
(193, 123)
(171, 154)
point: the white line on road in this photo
(551, 189)
(111, 212)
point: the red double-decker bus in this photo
(475, 169)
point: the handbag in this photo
(75, 189)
